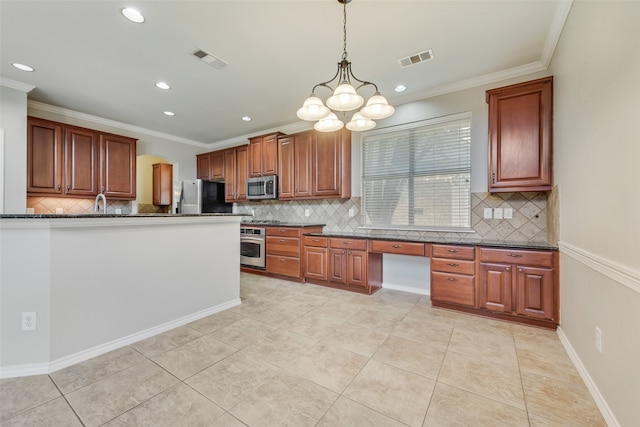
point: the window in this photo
(417, 176)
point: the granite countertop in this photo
(476, 242)
(258, 223)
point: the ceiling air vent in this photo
(209, 59)
(416, 58)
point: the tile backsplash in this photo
(529, 222)
(50, 205)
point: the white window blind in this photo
(417, 176)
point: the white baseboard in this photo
(420, 291)
(606, 411)
(55, 365)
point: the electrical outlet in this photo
(307, 212)
(598, 339)
(488, 213)
(508, 213)
(118, 211)
(252, 212)
(351, 213)
(28, 320)
(497, 213)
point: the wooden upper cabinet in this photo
(263, 155)
(162, 184)
(82, 162)
(44, 157)
(520, 136)
(118, 178)
(235, 174)
(203, 166)
(315, 165)
(70, 161)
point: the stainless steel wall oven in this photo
(252, 247)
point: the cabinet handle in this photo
(282, 240)
(59, 187)
(396, 246)
(342, 252)
(508, 269)
(515, 255)
(346, 243)
(348, 252)
(452, 264)
(493, 177)
(68, 187)
(281, 259)
(315, 240)
(520, 270)
(281, 230)
(453, 251)
(102, 189)
(452, 279)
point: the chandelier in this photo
(345, 98)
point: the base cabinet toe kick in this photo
(513, 284)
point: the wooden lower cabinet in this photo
(315, 263)
(520, 283)
(453, 275)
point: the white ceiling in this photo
(88, 58)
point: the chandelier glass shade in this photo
(345, 98)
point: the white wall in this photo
(13, 119)
(597, 154)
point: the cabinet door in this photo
(315, 263)
(534, 292)
(162, 184)
(242, 171)
(286, 167)
(203, 165)
(270, 155)
(303, 150)
(82, 162)
(44, 157)
(118, 178)
(216, 169)
(255, 157)
(495, 287)
(520, 133)
(357, 269)
(338, 265)
(327, 148)
(230, 180)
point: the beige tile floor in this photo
(304, 355)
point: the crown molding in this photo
(14, 84)
(40, 106)
(555, 30)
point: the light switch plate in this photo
(497, 213)
(487, 213)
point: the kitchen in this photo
(588, 238)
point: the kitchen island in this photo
(99, 282)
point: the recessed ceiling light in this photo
(169, 113)
(400, 88)
(133, 15)
(162, 85)
(22, 67)
(246, 118)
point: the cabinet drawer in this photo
(357, 244)
(453, 266)
(320, 242)
(283, 265)
(283, 231)
(402, 248)
(287, 246)
(453, 288)
(453, 251)
(510, 256)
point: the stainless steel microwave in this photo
(262, 187)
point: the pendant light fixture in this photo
(345, 98)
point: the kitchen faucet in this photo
(96, 207)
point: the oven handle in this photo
(252, 239)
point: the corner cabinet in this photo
(70, 161)
(520, 136)
(314, 165)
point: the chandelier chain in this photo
(344, 29)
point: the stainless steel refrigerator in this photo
(203, 196)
